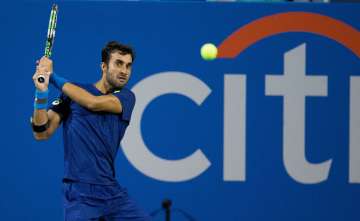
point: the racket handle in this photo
(41, 79)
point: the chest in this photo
(106, 122)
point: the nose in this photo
(123, 69)
(123, 73)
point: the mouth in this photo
(122, 78)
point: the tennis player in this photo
(94, 117)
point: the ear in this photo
(103, 67)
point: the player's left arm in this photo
(106, 103)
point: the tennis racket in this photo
(50, 36)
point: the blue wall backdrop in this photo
(275, 128)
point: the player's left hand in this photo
(44, 68)
(41, 71)
(46, 64)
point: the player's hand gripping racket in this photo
(50, 36)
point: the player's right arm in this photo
(53, 120)
(44, 122)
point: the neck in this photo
(103, 86)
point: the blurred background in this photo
(268, 131)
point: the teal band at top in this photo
(40, 106)
(41, 94)
(57, 81)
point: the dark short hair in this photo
(114, 46)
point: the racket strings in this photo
(51, 30)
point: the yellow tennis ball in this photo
(208, 51)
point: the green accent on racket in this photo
(50, 35)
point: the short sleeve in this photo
(61, 105)
(127, 100)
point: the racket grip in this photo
(41, 79)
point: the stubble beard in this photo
(112, 82)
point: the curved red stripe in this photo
(290, 22)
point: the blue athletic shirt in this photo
(91, 139)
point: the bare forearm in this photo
(107, 103)
(40, 117)
(79, 95)
(44, 122)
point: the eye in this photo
(119, 63)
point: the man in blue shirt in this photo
(94, 117)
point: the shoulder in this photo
(83, 85)
(90, 88)
(61, 99)
(125, 92)
(131, 94)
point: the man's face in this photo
(119, 69)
